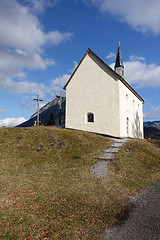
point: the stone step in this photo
(107, 155)
(112, 150)
(117, 144)
(121, 140)
(99, 169)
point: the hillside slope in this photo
(47, 191)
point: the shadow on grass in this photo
(124, 214)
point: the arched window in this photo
(90, 117)
(138, 110)
(127, 107)
(133, 107)
(127, 126)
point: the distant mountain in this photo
(152, 130)
(49, 114)
(155, 124)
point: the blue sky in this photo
(42, 41)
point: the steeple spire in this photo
(119, 67)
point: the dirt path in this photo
(141, 218)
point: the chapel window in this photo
(138, 110)
(127, 107)
(127, 126)
(90, 117)
(133, 107)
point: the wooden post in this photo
(37, 108)
(60, 106)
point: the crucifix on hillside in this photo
(37, 99)
(60, 105)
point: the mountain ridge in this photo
(48, 114)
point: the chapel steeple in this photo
(119, 67)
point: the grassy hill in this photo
(47, 191)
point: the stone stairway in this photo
(99, 169)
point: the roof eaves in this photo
(116, 74)
(131, 89)
(105, 64)
(121, 79)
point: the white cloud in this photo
(140, 74)
(74, 67)
(22, 44)
(22, 30)
(19, 52)
(56, 37)
(27, 105)
(11, 122)
(153, 114)
(39, 6)
(135, 58)
(12, 62)
(58, 83)
(142, 15)
(24, 87)
(111, 56)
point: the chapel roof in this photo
(89, 51)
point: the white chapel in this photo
(99, 100)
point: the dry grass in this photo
(47, 191)
(137, 165)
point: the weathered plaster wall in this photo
(135, 116)
(92, 89)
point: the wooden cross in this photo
(60, 105)
(37, 108)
